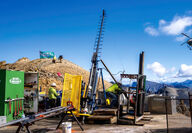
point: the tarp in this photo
(46, 54)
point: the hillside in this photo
(48, 71)
(184, 84)
(154, 87)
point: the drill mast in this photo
(93, 77)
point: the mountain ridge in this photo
(153, 87)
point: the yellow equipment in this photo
(72, 92)
(108, 102)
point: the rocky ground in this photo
(48, 71)
(49, 125)
(157, 124)
(178, 124)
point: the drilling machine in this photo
(90, 92)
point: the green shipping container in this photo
(11, 94)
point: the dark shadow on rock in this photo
(42, 130)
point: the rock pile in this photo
(48, 71)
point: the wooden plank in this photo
(129, 122)
(140, 123)
(146, 118)
(105, 111)
(101, 119)
(113, 120)
(131, 117)
(139, 118)
(125, 122)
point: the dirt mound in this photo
(24, 59)
(2, 63)
(48, 71)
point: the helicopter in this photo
(189, 41)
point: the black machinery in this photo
(131, 101)
(130, 98)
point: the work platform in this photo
(109, 116)
(103, 116)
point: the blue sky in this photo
(69, 28)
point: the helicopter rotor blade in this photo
(189, 47)
(183, 43)
(186, 35)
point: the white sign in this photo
(15, 80)
(3, 120)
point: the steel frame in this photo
(28, 121)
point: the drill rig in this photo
(90, 93)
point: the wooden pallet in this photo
(146, 118)
(103, 116)
(129, 120)
(101, 119)
(106, 111)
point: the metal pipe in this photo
(141, 71)
(190, 105)
(14, 122)
(32, 117)
(47, 116)
(166, 115)
(141, 63)
(103, 84)
(109, 71)
(52, 108)
(51, 111)
(16, 99)
(140, 100)
(136, 100)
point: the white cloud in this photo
(170, 75)
(108, 78)
(172, 70)
(185, 71)
(162, 22)
(157, 69)
(176, 26)
(152, 31)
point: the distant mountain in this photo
(183, 93)
(153, 87)
(185, 84)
